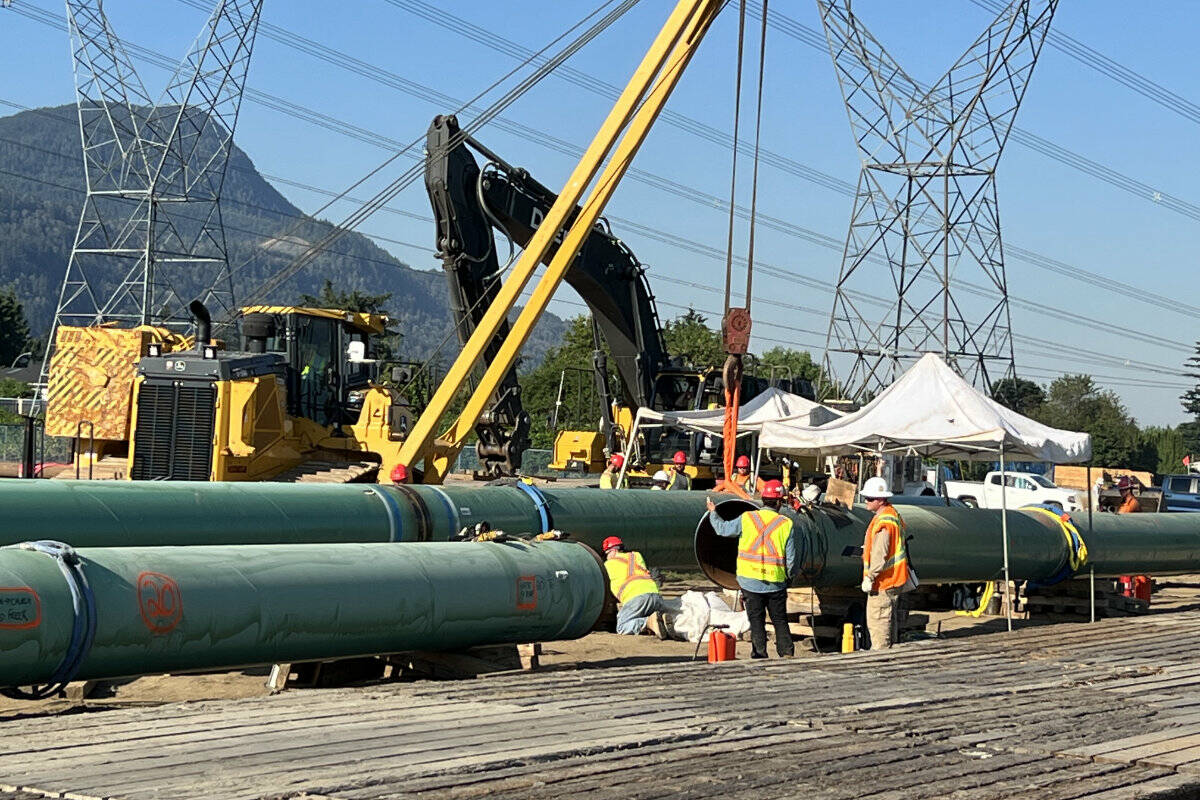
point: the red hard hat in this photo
(610, 543)
(399, 473)
(743, 461)
(617, 460)
(680, 457)
(772, 490)
(1124, 483)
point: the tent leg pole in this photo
(1091, 504)
(1008, 588)
(1092, 591)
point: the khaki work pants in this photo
(883, 618)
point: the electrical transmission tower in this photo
(925, 213)
(150, 237)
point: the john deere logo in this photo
(159, 601)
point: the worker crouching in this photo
(641, 603)
(766, 558)
(886, 572)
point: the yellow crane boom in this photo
(652, 82)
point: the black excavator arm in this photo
(468, 202)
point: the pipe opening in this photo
(717, 555)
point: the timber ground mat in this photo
(1102, 710)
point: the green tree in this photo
(1191, 398)
(1169, 447)
(689, 337)
(797, 363)
(1022, 396)
(386, 345)
(539, 387)
(1075, 403)
(14, 329)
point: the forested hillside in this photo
(41, 190)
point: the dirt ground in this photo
(595, 651)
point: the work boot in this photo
(655, 624)
(668, 621)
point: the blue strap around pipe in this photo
(540, 502)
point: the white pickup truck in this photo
(1021, 488)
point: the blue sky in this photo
(1046, 207)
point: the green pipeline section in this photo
(129, 514)
(957, 545)
(113, 612)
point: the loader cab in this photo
(327, 353)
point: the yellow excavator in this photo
(299, 401)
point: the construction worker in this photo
(612, 473)
(741, 476)
(886, 571)
(1129, 503)
(660, 480)
(679, 480)
(766, 557)
(640, 601)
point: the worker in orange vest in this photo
(612, 473)
(741, 476)
(766, 559)
(886, 571)
(1129, 503)
(679, 480)
(641, 604)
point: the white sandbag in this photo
(700, 609)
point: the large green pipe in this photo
(125, 514)
(954, 545)
(162, 609)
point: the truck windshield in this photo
(1041, 481)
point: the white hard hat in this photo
(661, 475)
(875, 487)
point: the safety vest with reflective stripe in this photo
(887, 522)
(628, 576)
(743, 482)
(763, 545)
(679, 481)
(608, 479)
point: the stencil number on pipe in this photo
(159, 602)
(527, 593)
(20, 608)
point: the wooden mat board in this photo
(1073, 711)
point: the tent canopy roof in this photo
(770, 406)
(932, 411)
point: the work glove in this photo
(867, 585)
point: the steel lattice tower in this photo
(925, 211)
(154, 172)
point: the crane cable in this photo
(733, 369)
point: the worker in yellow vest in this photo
(886, 572)
(611, 477)
(678, 480)
(641, 605)
(765, 560)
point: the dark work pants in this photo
(757, 607)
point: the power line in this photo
(591, 83)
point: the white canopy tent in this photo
(773, 405)
(931, 411)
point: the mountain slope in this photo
(41, 182)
